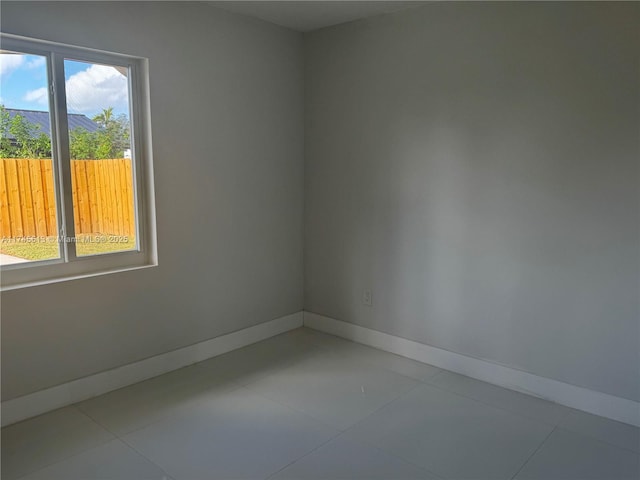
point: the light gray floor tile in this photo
(319, 339)
(250, 363)
(239, 435)
(610, 431)
(35, 443)
(388, 361)
(112, 461)
(452, 436)
(571, 456)
(201, 423)
(526, 405)
(333, 388)
(139, 405)
(130, 408)
(373, 356)
(349, 460)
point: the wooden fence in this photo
(102, 197)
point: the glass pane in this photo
(101, 164)
(28, 224)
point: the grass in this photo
(46, 248)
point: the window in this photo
(76, 188)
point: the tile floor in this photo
(304, 405)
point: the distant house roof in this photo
(42, 118)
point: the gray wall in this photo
(227, 109)
(477, 167)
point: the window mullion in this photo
(64, 157)
(110, 167)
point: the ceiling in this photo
(305, 16)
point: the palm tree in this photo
(105, 118)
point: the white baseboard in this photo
(75, 391)
(591, 401)
(598, 403)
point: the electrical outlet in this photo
(367, 297)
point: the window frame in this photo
(69, 265)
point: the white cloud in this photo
(35, 63)
(90, 91)
(9, 62)
(96, 88)
(39, 96)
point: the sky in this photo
(90, 87)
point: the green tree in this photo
(82, 144)
(113, 136)
(121, 135)
(29, 141)
(105, 118)
(23, 132)
(21, 138)
(6, 149)
(42, 145)
(104, 145)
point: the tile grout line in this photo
(391, 454)
(597, 439)
(62, 459)
(321, 349)
(296, 409)
(606, 405)
(327, 349)
(288, 364)
(342, 432)
(240, 386)
(388, 370)
(555, 425)
(232, 386)
(292, 408)
(453, 393)
(533, 454)
(382, 407)
(305, 455)
(371, 445)
(429, 379)
(118, 437)
(115, 436)
(259, 394)
(487, 404)
(418, 383)
(368, 363)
